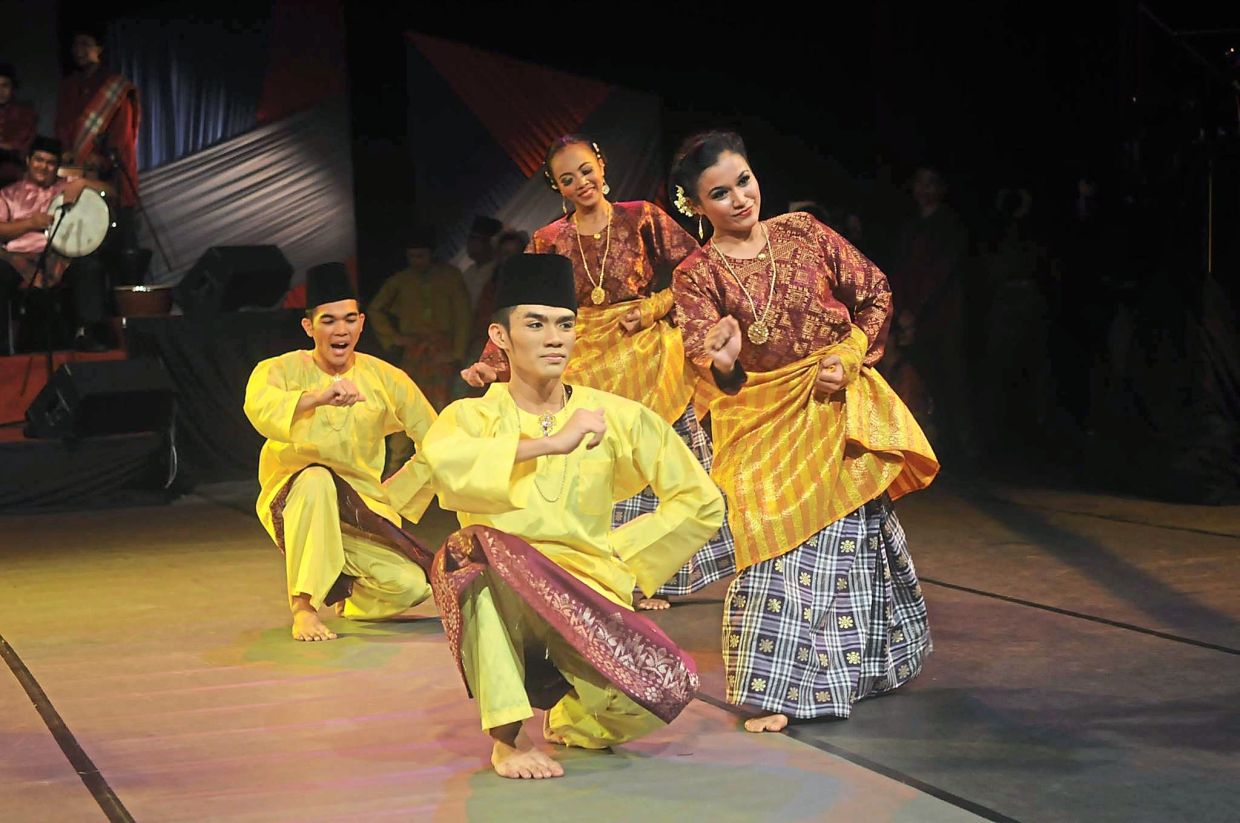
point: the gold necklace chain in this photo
(546, 421)
(344, 418)
(759, 332)
(597, 294)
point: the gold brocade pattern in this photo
(647, 366)
(645, 665)
(790, 464)
(451, 573)
(825, 288)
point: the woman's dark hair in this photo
(698, 153)
(7, 70)
(560, 144)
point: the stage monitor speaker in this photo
(103, 397)
(230, 278)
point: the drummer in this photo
(24, 224)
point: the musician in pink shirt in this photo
(24, 221)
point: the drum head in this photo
(79, 230)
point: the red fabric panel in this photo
(523, 106)
(306, 57)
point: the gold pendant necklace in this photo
(546, 422)
(597, 295)
(759, 332)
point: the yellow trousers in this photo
(498, 629)
(317, 550)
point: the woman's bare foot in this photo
(767, 723)
(653, 604)
(306, 623)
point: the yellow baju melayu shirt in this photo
(561, 504)
(349, 441)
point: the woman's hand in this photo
(723, 344)
(831, 377)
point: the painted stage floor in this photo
(1086, 667)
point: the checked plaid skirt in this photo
(837, 619)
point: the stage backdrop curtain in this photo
(206, 74)
(192, 96)
(479, 124)
(289, 183)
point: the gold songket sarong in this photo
(791, 464)
(647, 366)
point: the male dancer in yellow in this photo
(325, 413)
(536, 589)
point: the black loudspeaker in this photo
(229, 278)
(103, 397)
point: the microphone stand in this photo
(110, 153)
(40, 269)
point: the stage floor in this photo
(1085, 668)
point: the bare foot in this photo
(307, 626)
(653, 604)
(339, 608)
(523, 764)
(767, 723)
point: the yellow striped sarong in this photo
(791, 464)
(647, 366)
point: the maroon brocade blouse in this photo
(824, 287)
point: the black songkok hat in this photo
(327, 283)
(536, 280)
(48, 144)
(486, 226)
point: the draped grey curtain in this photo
(289, 183)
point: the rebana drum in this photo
(80, 229)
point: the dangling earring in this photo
(564, 205)
(701, 236)
(606, 189)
